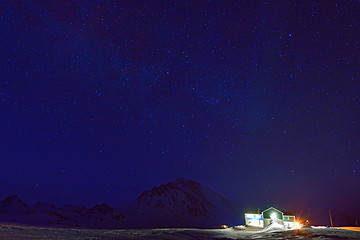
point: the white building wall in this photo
(289, 224)
(254, 220)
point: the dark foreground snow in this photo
(11, 231)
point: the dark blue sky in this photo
(259, 100)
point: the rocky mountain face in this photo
(13, 204)
(179, 203)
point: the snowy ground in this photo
(17, 232)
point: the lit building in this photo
(289, 219)
(266, 217)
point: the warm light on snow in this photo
(297, 225)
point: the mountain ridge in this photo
(178, 203)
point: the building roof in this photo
(287, 213)
(272, 208)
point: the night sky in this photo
(259, 100)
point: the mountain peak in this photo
(180, 181)
(12, 200)
(13, 203)
(102, 208)
(184, 184)
(182, 203)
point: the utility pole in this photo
(330, 218)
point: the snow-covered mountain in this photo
(179, 203)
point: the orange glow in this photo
(349, 228)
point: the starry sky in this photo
(259, 100)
